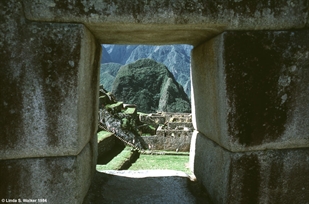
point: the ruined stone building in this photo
(250, 94)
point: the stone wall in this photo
(49, 81)
(170, 22)
(173, 133)
(249, 92)
(252, 121)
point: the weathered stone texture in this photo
(173, 141)
(257, 89)
(272, 176)
(188, 21)
(105, 145)
(57, 179)
(49, 80)
(250, 93)
(130, 187)
(94, 155)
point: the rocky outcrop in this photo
(150, 86)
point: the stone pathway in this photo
(145, 187)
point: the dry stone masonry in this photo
(120, 119)
(159, 131)
(173, 133)
(250, 96)
(252, 122)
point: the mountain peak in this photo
(175, 57)
(151, 86)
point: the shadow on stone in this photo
(145, 186)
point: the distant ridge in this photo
(175, 57)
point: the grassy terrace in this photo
(130, 111)
(162, 162)
(167, 161)
(116, 106)
(117, 161)
(103, 135)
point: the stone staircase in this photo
(119, 141)
(113, 154)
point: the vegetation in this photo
(129, 111)
(117, 161)
(169, 161)
(175, 57)
(108, 73)
(103, 134)
(151, 86)
(162, 162)
(114, 106)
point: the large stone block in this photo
(57, 179)
(251, 89)
(165, 22)
(49, 86)
(272, 176)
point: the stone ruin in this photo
(250, 96)
(173, 133)
(154, 131)
(120, 119)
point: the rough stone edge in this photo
(199, 93)
(64, 179)
(92, 49)
(197, 158)
(89, 44)
(246, 177)
(173, 13)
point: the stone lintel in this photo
(162, 22)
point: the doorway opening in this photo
(137, 82)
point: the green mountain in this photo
(108, 72)
(175, 57)
(151, 86)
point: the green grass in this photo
(167, 152)
(117, 162)
(129, 111)
(162, 162)
(116, 106)
(104, 134)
